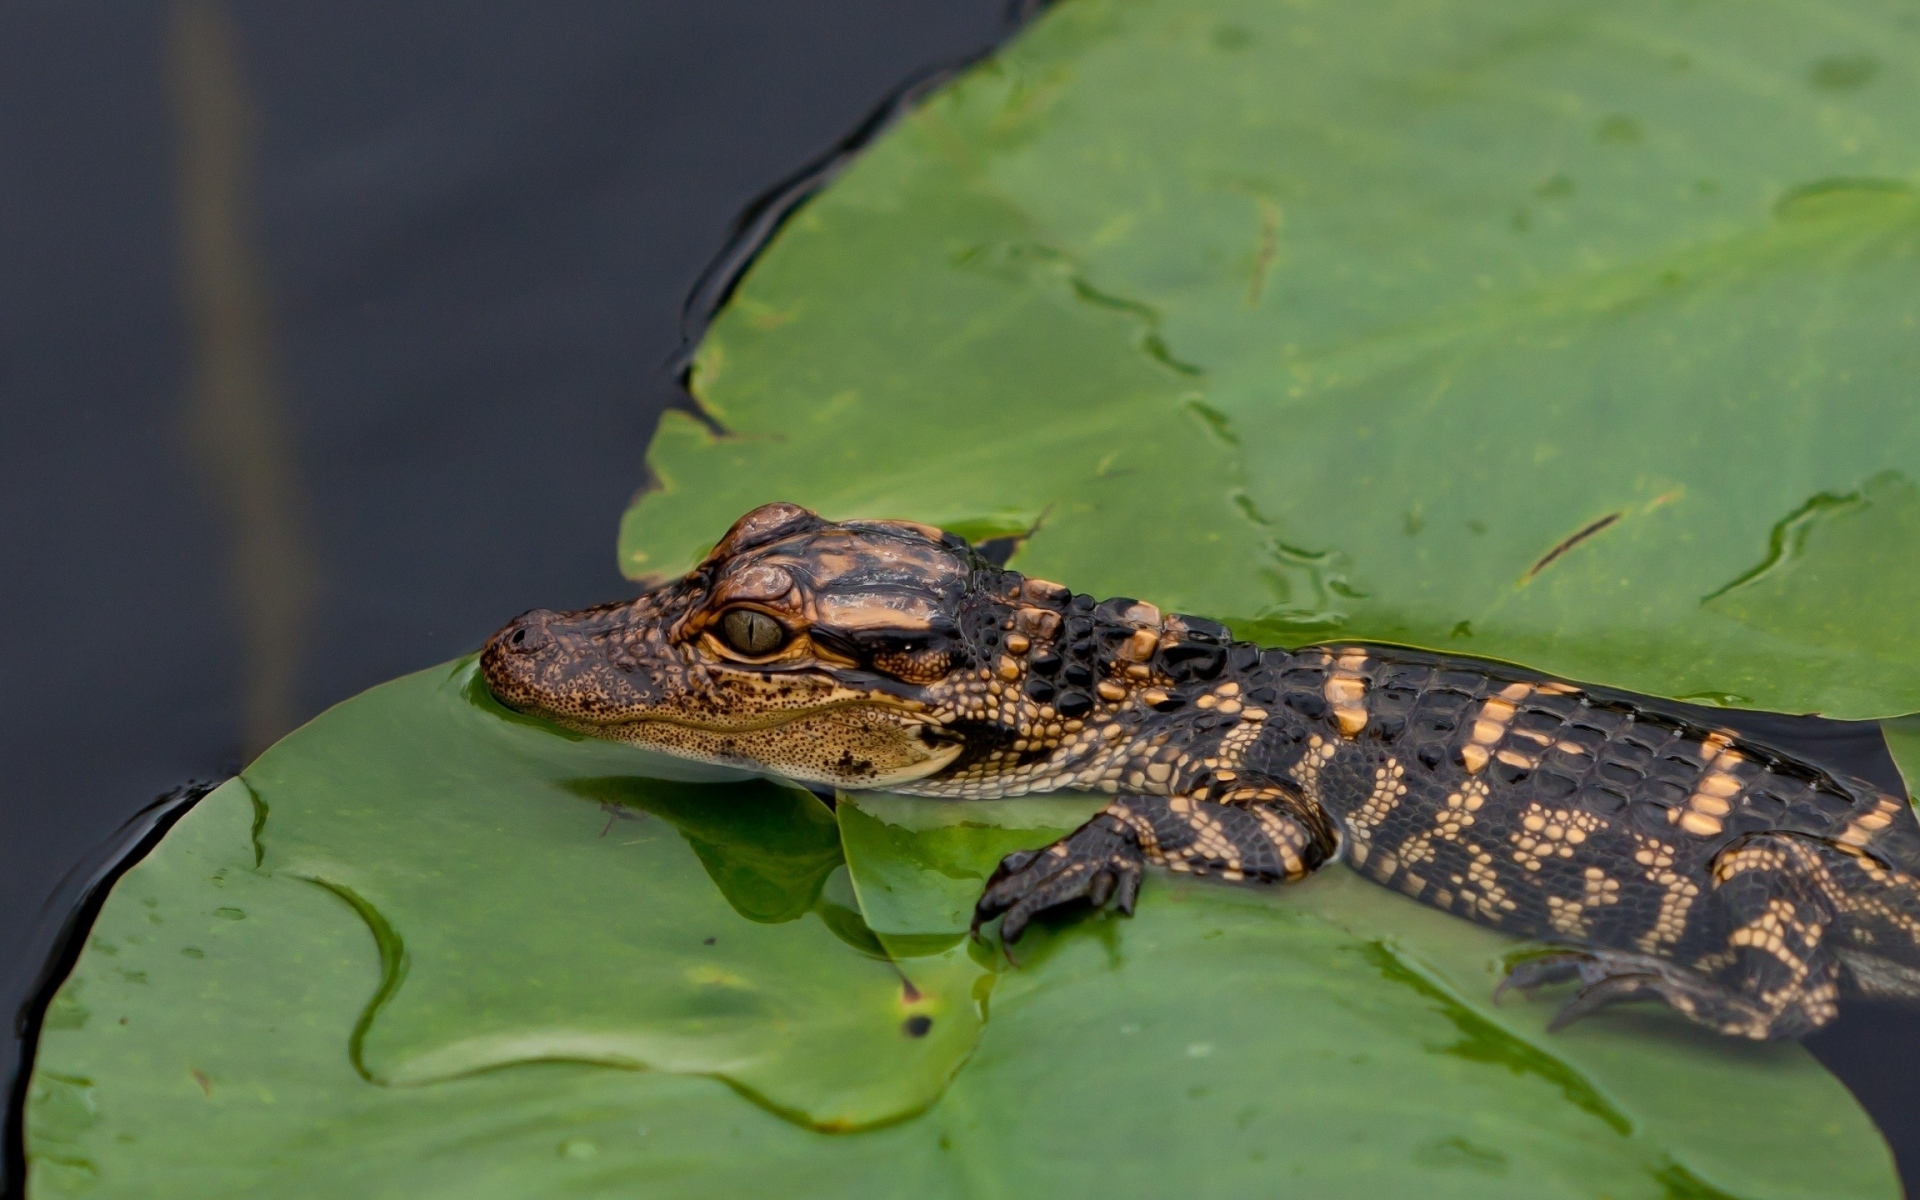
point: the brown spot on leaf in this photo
(1580, 535)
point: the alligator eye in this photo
(752, 632)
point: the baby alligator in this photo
(1660, 858)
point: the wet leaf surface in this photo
(427, 950)
(1522, 330)
(1859, 545)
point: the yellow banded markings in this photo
(1861, 829)
(1490, 725)
(1346, 691)
(1288, 839)
(1713, 796)
(1573, 917)
(1306, 772)
(1481, 893)
(1389, 784)
(1547, 833)
(1677, 894)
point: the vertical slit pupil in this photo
(752, 632)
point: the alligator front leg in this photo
(1100, 861)
(1257, 833)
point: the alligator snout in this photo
(527, 634)
(515, 656)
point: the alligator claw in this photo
(1530, 974)
(1610, 990)
(1098, 863)
(1610, 976)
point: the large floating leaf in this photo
(1578, 335)
(423, 949)
(519, 922)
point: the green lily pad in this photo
(518, 921)
(1858, 545)
(198, 1054)
(918, 867)
(1903, 739)
(418, 952)
(1584, 337)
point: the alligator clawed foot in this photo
(1606, 977)
(1531, 974)
(1100, 862)
(1610, 977)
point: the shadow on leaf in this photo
(768, 847)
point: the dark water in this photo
(333, 335)
(470, 228)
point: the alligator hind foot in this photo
(1529, 975)
(1615, 976)
(1100, 861)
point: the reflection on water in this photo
(234, 419)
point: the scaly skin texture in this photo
(1659, 859)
